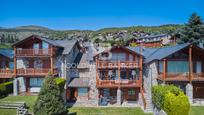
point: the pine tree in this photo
(49, 100)
(193, 31)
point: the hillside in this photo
(10, 35)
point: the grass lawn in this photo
(30, 101)
(105, 111)
(197, 110)
(7, 111)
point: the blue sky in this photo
(96, 14)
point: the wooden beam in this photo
(164, 70)
(97, 77)
(119, 71)
(140, 79)
(190, 64)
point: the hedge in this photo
(176, 104)
(60, 82)
(5, 89)
(168, 97)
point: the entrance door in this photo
(73, 94)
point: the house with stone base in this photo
(180, 65)
(119, 76)
(81, 89)
(36, 57)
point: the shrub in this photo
(49, 101)
(60, 82)
(158, 93)
(6, 88)
(171, 99)
(176, 104)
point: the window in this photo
(123, 74)
(177, 66)
(160, 66)
(45, 45)
(130, 57)
(82, 91)
(131, 92)
(36, 82)
(118, 56)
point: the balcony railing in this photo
(116, 64)
(116, 83)
(182, 76)
(33, 52)
(6, 73)
(35, 71)
(198, 76)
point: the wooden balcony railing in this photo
(116, 64)
(116, 83)
(33, 52)
(35, 71)
(198, 76)
(181, 76)
(4, 73)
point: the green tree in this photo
(193, 31)
(50, 101)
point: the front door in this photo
(73, 94)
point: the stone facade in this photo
(189, 92)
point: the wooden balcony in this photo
(182, 77)
(33, 52)
(198, 77)
(4, 73)
(116, 64)
(117, 83)
(35, 72)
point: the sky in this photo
(96, 14)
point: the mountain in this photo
(31, 27)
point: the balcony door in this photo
(36, 47)
(45, 47)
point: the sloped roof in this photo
(66, 44)
(164, 52)
(7, 53)
(146, 52)
(153, 36)
(79, 82)
(151, 54)
(39, 37)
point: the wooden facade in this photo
(193, 55)
(127, 65)
(45, 56)
(123, 73)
